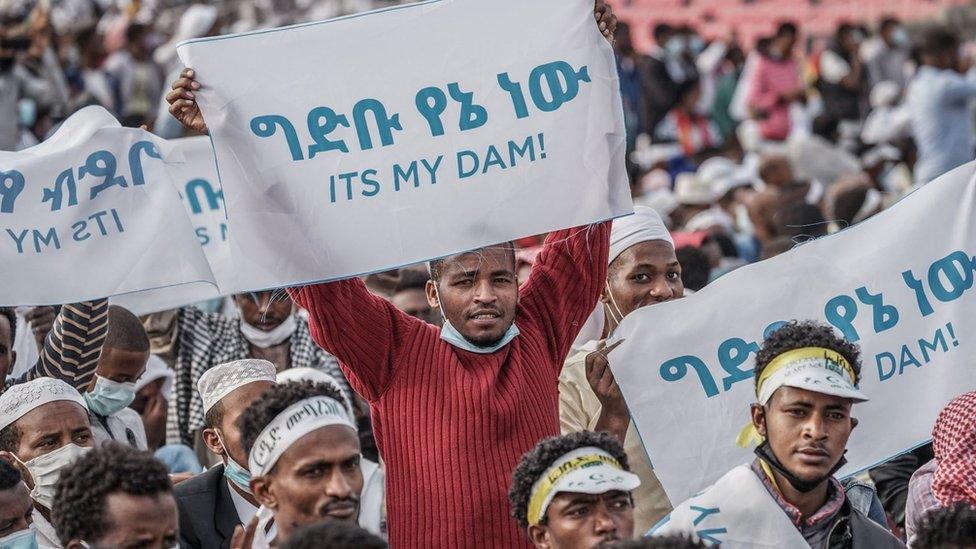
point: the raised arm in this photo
(366, 333)
(566, 282)
(71, 350)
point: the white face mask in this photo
(46, 470)
(262, 339)
(23, 539)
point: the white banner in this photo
(899, 284)
(387, 138)
(198, 184)
(92, 212)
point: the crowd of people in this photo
(470, 402)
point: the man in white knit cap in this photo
(44, 427)
(643, 271)
(212, 504)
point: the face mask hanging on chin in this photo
(277, 335)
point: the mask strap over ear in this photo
(614, 314)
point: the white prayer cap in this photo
(692, 190)
(156, 368)
(663, 202)
(24, 397)
(715, 170)
(219, 381)
(884, 94)
(881, 153)
(712, 217)
(645, 225)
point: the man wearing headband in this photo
(494, 364)
(213, 504)
(806, 384)
(44, 427)
(574, 492)
(304, 458)
(643, 271)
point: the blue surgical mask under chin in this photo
(450, 334)
(24, 539)
(240, 476)
(109, 396)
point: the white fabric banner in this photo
(198, 184)
(92, 212)
(736, 512)
(395, 136)
(899, 284)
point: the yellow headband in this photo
(543, 487)
(832, 360)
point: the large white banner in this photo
(899, 284)
(93, 212)
(386, 138)
(198, 184)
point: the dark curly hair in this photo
(808, 333)
(947, 528)
(80, 499)
(546, 452)
(274, 401)
(9, 475)
(672, 541)
(334, 535)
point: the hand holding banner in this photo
(391, 149)
(899, 284)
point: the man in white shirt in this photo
(938, 100)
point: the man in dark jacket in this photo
(806, 384)
(212, 504)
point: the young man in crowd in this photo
(643, 271)
(212, 504)
(123, 360)
(16, 510)
(410, 296)
(480, 366)
(192, 341)
(776, 84)
(574, 491)
(44, 427)
(115, 496)
(304, 458)
(806, 385)
(938, 101)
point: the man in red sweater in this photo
(455, 408)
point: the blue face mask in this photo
(450, 334)
(240, 476)
(24, 539)
(109, 396)
(900, 37)
(696, 45)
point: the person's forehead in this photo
(53, 416)
(121, 360)
(570, 498)
(491, 258)
(656, 252)
(334, 443)
(238, 400)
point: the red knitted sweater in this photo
(452, 425)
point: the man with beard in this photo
(806, 384)
(304, 458)
(574, 492)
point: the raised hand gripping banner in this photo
(899, 284)
(198, 185)
(376, 140)
(92, 212)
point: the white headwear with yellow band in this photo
(811, 368)
(587, 470)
